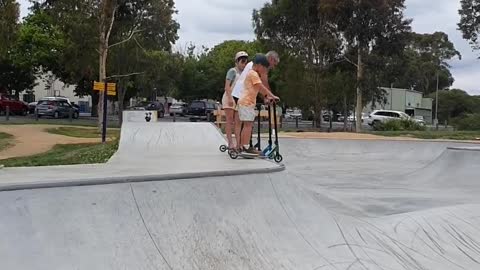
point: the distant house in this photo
(409, 101)
(53, 88)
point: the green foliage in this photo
(67, 155)
(399, 125)
(469, 122)
(9, 13)
(455, 103)
(40, 44)
(469, 23)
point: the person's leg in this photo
(230, 118)
(238, 125)
(246, 133)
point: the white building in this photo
(47, 87)
(408, 101)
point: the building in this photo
(47, 87)
(409, 101)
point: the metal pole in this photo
(7, 113)
(104, 123)
(436, 102)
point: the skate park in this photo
(169, 199)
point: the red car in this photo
(16, 106)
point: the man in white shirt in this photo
(274, 60)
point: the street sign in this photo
(111, 87)
(98, 86)
(111, 93)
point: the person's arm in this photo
(231, 74)
(264, 91)
(264, 78)
(228, 87)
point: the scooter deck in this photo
(251, 156)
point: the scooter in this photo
(223, 148)
(273, 151)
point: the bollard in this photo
(70, 115)
(296, 122)
(7, 113)
(36, 115)
(174, 117)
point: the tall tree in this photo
(94, 28)
(369, 26)
(14, 78)
(299, 30)
(9, 14)
(469, 23)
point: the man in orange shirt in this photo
(247, 101)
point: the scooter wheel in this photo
(233, 154)
(223, 148)
(278, 158)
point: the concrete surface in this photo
(147, 152)
(339, 205)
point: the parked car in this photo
(57, 108)
(15, 106)
(179, 109)
(31, 107)
(201, 110)
(382, 116)
(419, 119)
(351, 118)
(150, 106)
(293, 113)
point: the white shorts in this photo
(246, 113)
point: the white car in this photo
(382, 116)
(351, 118)
(178, 109)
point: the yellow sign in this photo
(111, 87)
(98, 86)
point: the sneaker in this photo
(254, 151)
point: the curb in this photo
(134, 179)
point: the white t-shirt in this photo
(240, 82)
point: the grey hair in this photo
(274, 55)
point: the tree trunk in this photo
(102, 77)
(359, 106)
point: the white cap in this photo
(240, 54)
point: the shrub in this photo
(470, 122)
(399, 125)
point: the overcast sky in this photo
(209, 22)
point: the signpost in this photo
(109, 89)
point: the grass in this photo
(445, 135)
(83, 132)
(6, 140)
(66, 155)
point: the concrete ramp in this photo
(147, 152)
(340, 211)
(169, 139)
(456, 167)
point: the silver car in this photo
(56, 109)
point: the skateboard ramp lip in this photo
(103, 177)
